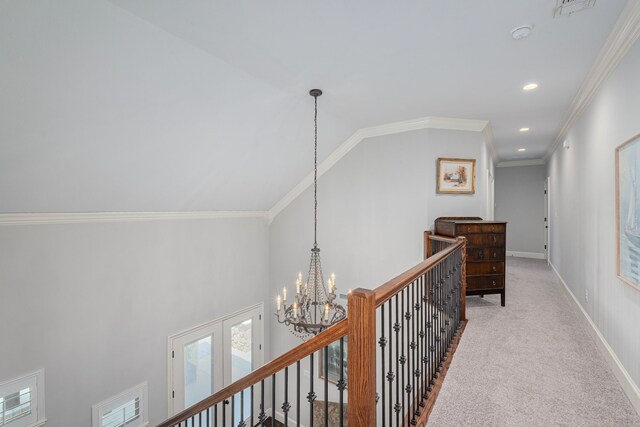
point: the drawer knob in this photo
(494, 283)
(495, 239)
(495, 255)
(480, 253)
(494, 268)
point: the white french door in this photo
(204, 359)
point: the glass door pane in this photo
(241, 365)
(198, 370)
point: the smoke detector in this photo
(569, 7)
(521, 32)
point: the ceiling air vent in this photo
(569, 7)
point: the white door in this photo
(206, 358)
(547, 219)
(197, 365)
(242, 354)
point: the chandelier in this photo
(313, 309)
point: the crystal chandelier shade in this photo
(314, 308)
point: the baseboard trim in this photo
(630, 388)
(535, 255)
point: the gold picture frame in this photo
(456, 176)
(628, 212)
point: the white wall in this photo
(93, 304)
(374, 206)
(520, 202)
(583, 243)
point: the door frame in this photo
(547, 224)
(490, 195)
(259, 359)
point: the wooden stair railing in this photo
(401, 339)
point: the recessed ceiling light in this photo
(522, 149)
(524, 129)
(521, 32)
(530, 86)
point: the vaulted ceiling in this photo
(165, 105)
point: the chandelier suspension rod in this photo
(315, 172)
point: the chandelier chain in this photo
(315, 175)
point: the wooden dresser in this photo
(485, 252)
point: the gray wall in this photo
(94, 303)
(373, 208)
(583, 219)
(520, 202)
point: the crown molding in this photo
(89, 217)
(623, 35)
(512, 163)
(358, 136)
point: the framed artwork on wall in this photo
(333, 367)
(628, 211)
(456, 176)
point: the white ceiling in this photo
(165, 105)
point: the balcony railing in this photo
(383, 365)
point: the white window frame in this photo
(35, 382)
(139, 391)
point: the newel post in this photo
(362, 358)
(428, 247)
(463, 273)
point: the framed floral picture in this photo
(456, 176)
(628, 211)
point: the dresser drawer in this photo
(475, 268)
(480, 228)
(485, 239)
(475, 283)
(485, 254)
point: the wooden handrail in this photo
(385, 292)
(316, 343)
(439, 238)
(429, 237)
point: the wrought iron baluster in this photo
(298, 393)
(252, 405)
(311, 396)
(403, 358)
(326, 386)
(224, 412)
(263, 416)
(273, 400)
(390, 374)
(396, 328)
(342, 384)
(382, 342)
(286, 406)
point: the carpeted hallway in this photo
(531, 363)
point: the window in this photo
(22, 401)
(128, 409)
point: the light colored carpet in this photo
(531, 363)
